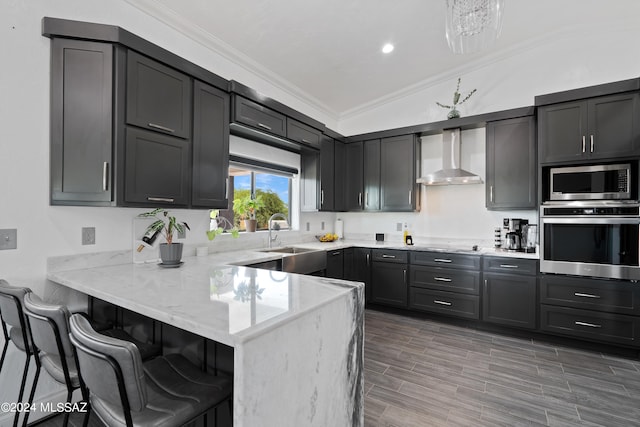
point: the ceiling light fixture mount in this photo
(473, 25)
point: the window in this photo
(260, 191)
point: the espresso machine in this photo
(514, 237)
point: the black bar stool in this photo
(12, 314)
(124, 391)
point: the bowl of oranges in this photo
(328, 237)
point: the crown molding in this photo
(220, 47)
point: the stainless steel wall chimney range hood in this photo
(451, 173)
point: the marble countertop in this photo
(228, 304)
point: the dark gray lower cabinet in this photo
(389, 277)
(359, 269)
(157, 170)
(81, 122)
(449, 303)
(509, 299)
(335, 264)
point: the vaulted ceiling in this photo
(328, 52)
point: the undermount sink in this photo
(299, 260)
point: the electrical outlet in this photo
(308, 226)
(183, 234)
(322, 225)
(88, 235)
(398, 226)
(9, 239)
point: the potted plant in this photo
(246, 207)
(166, 224)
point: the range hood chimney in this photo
(451, 173)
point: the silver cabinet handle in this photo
(436, 301)
(590, 325)
(584, 144)
(368, 259)
(322, 197)
(388, 256)
(105, 176)
(442, 260)
(442, 279)
(509, 266)
(160, 127)
(335, 253)
(404, 275)
(366, 198)
(491, 193)
(306, 141)
(263, 126)
(410, 196)
(580, 294)
(160, 199)
(359, 199)
(226, 188)
(591, 140)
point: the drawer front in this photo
(510, 265)
(446, 259)
(449, 303)
(303, 134)
(592, 294)
(445, 279)
(593, 325)
(390, 255)
(260, 117)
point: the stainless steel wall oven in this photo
(599, 239)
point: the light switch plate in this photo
(88, 235)
(8, 238)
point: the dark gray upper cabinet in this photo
(157, 169)
(255, 115)
(81, 122)
(309, 180)
(398, 168)
(354, 170)
(327, 174)
(304, 134)
(339, 171)
(210, 147)
(511, 164)
(372, 175)
(158, 97)
(605, 127)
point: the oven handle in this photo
(590, 220)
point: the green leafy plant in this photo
(221, 226)
(456, 101)
(165, 224)
(246, 207)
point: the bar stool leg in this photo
(33, 389)
(22, 384)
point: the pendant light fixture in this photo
(473, 25)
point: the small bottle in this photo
(405, 234)
(149, 237)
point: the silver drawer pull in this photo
(160, 199)
(263, 126)
(591, 325)
(579, 294)
(441, 302)
(388, 256)
(306, 141)
(442, 279)
(508, 266)
(105, 176)
(335, 253)
(160, 127)
(442, 260)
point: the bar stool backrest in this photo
(110, 368)
(45, 337)
(10, 309)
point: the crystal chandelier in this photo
(472, 25)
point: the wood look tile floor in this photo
(425, 373)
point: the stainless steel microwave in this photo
(592, 182)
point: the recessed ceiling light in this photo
(387, 48)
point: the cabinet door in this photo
(158, 97)
(210, 147)
(389, 284)
(509, 299)
(335, 264)
(360, 270)
(157, 169)
(511, 164)
(309, 180)
(561, 132)
(327, 174)
(258, 116)
(81, 122)
(354, 176)
(339, 173)
(303, 134)
(613, 129)
(398, 173)
(372, 175)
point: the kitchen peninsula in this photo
(282, 328)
